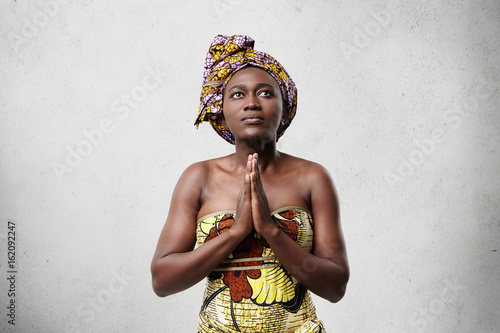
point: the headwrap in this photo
(226, 56)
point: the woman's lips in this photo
(253, 119)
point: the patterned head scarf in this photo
(225, 57)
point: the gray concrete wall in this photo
(399, 100)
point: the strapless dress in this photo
(251, 291)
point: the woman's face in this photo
(252, 105)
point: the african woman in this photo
(266, 223)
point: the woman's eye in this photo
(237, 95)
(265, 93)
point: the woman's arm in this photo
(325, 271)
(175, 265)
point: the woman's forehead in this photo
(251, 75)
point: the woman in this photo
(266, 223)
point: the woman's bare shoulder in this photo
(306, 167)
(188, 192)
(199, 171)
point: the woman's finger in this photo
(256, 170)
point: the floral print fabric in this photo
(251, 291)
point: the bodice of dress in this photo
(251, 291)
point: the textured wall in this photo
(399, 100)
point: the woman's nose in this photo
(252, 102)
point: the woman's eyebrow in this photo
(238, 86)
(259, 85)
(264, 85)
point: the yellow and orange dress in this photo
(251, 291)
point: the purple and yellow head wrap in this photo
(226, 56)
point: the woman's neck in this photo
(268, 155)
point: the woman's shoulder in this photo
(304, 166)
(315, 180)
(203, 168)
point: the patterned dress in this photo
(251, 291)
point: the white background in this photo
(398, 100)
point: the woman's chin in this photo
(257, 136)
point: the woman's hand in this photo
(243, 224)
(262, 221)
